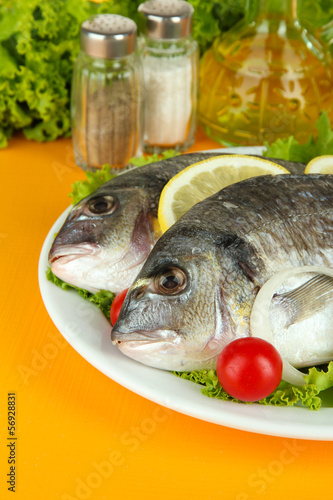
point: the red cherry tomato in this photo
(249, 368)
(116, 305)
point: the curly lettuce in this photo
(39, 42)
(81, 189)
(316, 382)
(103, 299)
(290, 149)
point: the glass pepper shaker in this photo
(170, 68)
(106, 96)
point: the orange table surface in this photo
(80, 435)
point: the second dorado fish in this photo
(195, 292)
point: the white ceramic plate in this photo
(88, 332)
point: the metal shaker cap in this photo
(108, 36)
(170, 19)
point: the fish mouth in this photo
(143, 336)
(67, 253)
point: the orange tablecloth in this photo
(79, 434)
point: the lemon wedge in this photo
(320, 165)
(203, 179)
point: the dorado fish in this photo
(195, 292)
(108, 235)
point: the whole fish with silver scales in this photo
(195, 292)
(107, 236)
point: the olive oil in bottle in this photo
(265, 78)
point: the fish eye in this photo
(171, 281)
(101, 205)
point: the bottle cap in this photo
(166, 20)
(108, 36)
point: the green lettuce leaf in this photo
(285, 395)
(321, 379)
(81, 189)
(291, 149)
(103, 299)
(316, 14)
(39, 42)
(146, 159)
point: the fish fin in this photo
(243, 254)
(248, 271)
(309, 298)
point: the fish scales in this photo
(294, 212)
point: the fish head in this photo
(173, 316)
(105, 239)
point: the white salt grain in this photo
(168, 100)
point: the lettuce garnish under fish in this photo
(291, 149)
(103, 299)
(319, 381)
(81, 189)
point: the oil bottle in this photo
(265, 78)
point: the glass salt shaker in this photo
(170, 68)
(106, 98)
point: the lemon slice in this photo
(320, 165)
(203, 179)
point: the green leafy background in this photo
(39, 42)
